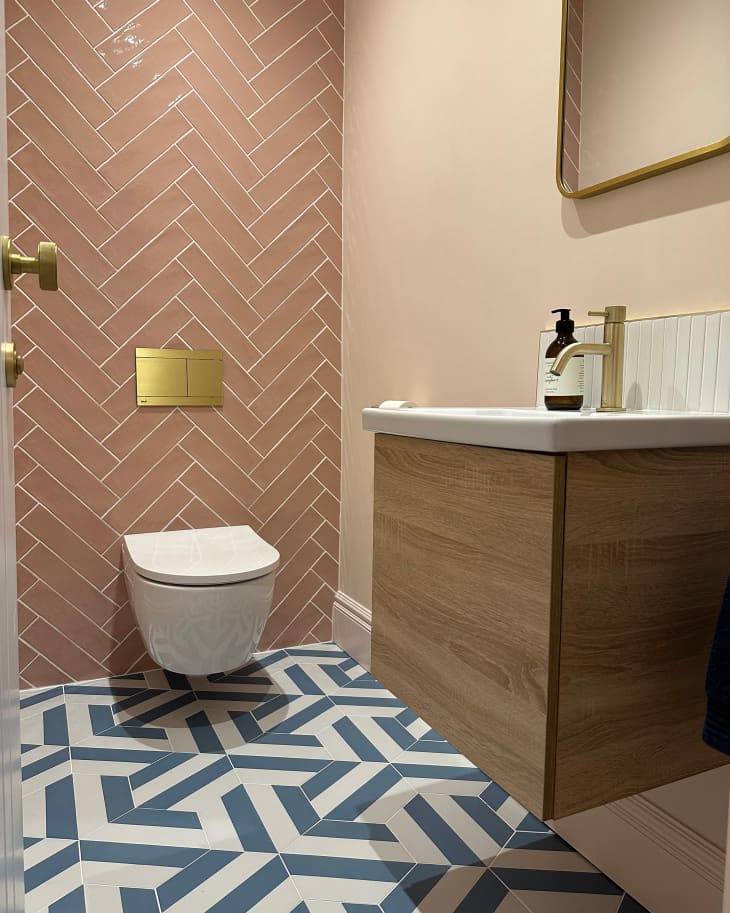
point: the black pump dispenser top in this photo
(564, 326)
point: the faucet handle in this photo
(613, 314)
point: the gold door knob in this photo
(45, 264)
(14, 363)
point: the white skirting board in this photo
(653, 855)
(352, 624)
(665, 865)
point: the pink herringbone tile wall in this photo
(186, 156)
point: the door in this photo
(11, 839)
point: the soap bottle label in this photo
(570, 383)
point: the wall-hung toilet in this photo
(201, 597)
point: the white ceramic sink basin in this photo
(553, 432)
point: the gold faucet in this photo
(612, 352)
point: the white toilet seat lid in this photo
(201, 557)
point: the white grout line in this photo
(139, 329)
(129, 454)
(118, 269)
(194, 167)
(266, 28)
(215, 79)
(65, 218)
(223, 127)
(61, 672)
(73, 533)
(52, 166)
(99, 19)
(78, 574)
(233, 63)
(330, 81)
(129, 24)
(115, 153)
(319, 29)
(134, 61)
(215, 193)
(146, 506)
(124, 189)
(196, 497)
(268, 66)
(67, 59)
(325, 155)
(122, 110)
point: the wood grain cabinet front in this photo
(551, 614)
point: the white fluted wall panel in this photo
(680, 363)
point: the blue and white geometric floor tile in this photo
(296, 785)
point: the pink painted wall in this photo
(457, 242)
(186, 156)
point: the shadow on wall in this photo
(693, 187)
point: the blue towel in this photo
(716, 731)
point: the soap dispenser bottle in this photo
(564, 392)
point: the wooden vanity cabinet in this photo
(551, 614)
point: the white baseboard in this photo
(665, 865)
(352, 625)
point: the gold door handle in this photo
(14, 363)
(45, 264)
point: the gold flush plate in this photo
(179, 377)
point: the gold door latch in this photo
(45, 264)
(14, 363)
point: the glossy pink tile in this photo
(185, 156)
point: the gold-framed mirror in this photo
(644, 89)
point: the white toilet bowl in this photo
(201, 597)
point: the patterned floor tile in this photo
(43, 765)
(230, 883)
(436, 889)
(629, 905)
(434, 766)
(43, 718)
(510, 810)
(352, 791)
(366, 738)
(51, 810)
(52, 872)
(280, 759)
(297, 784)
(133, 865)
(351, 840)
(566, 902)
(548, 876)
(326, 906)
(116, 761)
(245, 689)
(93, 723)
(344, 880)
(450, 830)
(202, 792)
(111, 899)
